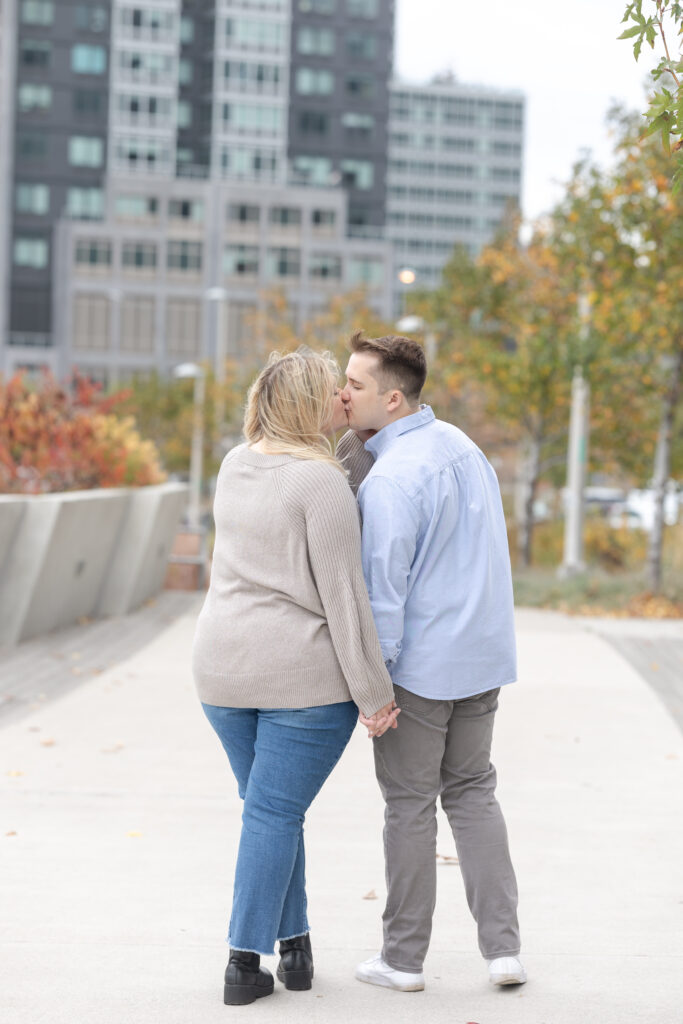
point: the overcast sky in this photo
(564, 56)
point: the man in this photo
(437, 567)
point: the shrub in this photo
(55, 438)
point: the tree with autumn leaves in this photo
(509, 327)
(55, 438)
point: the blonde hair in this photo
(290, 404)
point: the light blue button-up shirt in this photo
(436, 560)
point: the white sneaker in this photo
(376, 972)
(506, 970)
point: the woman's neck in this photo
(265, 448)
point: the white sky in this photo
(565, 57)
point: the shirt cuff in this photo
(390, 651)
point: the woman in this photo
(285, 651)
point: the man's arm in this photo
(354, 458)
(389, 541)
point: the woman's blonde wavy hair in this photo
(290, 404)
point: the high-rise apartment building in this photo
(455, 165)
(132, 128)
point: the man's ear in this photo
(395, 400)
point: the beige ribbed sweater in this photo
(287, 621)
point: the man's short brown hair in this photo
(402, 363)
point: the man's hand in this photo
(382, 720)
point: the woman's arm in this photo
(333, 539)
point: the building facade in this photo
(132, 127)
(455, 167)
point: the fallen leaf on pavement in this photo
(134, 835)
(372, 895)
(14, 773)
(112, 750)
(446, 860)
(10, 833)
(47, 743)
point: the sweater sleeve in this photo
(333, 539)
(354, 458)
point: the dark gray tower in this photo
(60, 141)
(341, 62)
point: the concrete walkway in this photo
(120, 819)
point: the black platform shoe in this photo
(295, 969)
(245, 981)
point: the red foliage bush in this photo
(55, 438)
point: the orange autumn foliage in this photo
(55, 438)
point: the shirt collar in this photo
(380, 441)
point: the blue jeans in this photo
(280, 758)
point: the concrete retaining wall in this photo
(82, 553)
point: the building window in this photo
(314, 170)
(35, 53)
(260, 35)
(314, 82)
(88, 103)
(186, 209)
(37, 12)
(88, 60)
(141, 152)
(33, 198)
(285, 216)
(185, 71)
(362, 8)
(284, 263)
(90, 18)
(137, 323)
(146, 64)
(139, 255)
(251, 117)
(183, 327)
(250, 76)
(241, 260)
(358, 173)
(34, 97)
(131, 207)
(92, 252)
(360, 86)
(361, 46)
(184, 114)
(312, 122)
(186, 29)
(318, 41)
(242, 162)
(324, 218)
(85, 203)
(318, 6)
(242, 213)
(365, 270)
(358, 127)
(184, 256)
(31, 252)
(86, 151)
(32, 145)
(143, 22)
(325, 266)
(91, 322)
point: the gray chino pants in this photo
(442, 748)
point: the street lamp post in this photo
(218, 296)
(183, 372)
(577, 462)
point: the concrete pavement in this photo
(120, 819)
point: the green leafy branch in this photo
(665, 111)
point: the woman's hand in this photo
(382, 720)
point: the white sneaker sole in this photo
(383, 982)
(508, 979)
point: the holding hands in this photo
(382, 720)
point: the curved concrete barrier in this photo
(78, 554)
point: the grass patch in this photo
(599, 592)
